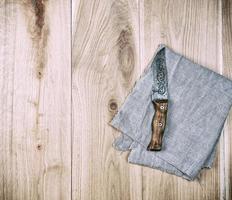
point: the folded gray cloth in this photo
(199, 102)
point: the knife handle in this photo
(158, 124)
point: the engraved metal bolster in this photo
(158, 124)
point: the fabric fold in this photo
(199, 102)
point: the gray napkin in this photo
(199, 101)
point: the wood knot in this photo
(39, 9)
(124, 38)
(39, 147)
(113, 106)
(39, 74)
(126, 55)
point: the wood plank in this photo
(227, 71)
(105, 60)
(35, 107)
(190, 28)
(112, 43)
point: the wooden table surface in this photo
(65, 69)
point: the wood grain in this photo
(65, 69)
(190, 28)
(227, 71)
(105, 66)
(35, 133)
(193, 28)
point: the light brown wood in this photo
(65, 69)
(105, 66)
(35, 137)
(190, 28)
(227, 71)
(193, 28)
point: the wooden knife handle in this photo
(158, 124)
